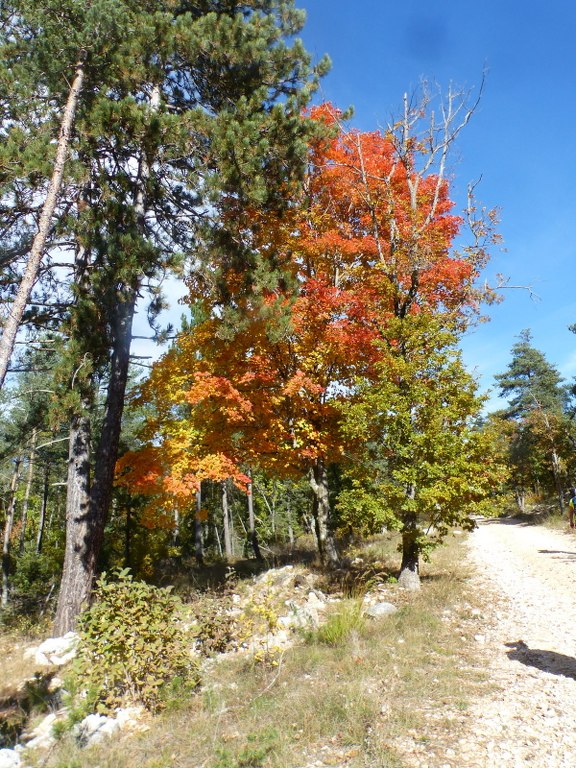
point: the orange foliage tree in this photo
(259, 380)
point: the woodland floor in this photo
(527, 638)
(514, 622)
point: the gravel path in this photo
(530, 643)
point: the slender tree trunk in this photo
(26, 500)
(7, 534)
(226, 521)
(318, 478)
(31, 272)
(252, 533)
(290, 528)
(198, 539)
(218, 542)
(176, 529)
(128, 539)
(77, 575)
(558, 479)
(43, 509)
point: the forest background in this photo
(368, 417)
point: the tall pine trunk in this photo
(318, 478)
(33, 265)
(76, 581)
(86, 519)
(75, 589)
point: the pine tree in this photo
(537, 409)
(187, 108)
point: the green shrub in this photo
(131, 645)
(216, 628)
(348, 618)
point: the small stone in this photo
(381, 609)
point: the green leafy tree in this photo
(421, 465)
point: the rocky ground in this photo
(527, 640)
(525, 645)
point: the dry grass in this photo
(14, 668)
(389, 688)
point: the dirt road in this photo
(530, 642)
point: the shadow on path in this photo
(570, 555)
(547, 661)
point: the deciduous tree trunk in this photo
(252, 533)
(318, 478)
(410, 567)
(226, 520)
(198, 538)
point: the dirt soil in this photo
(528, 638)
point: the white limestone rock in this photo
(55, 651)
(378, 610)
(9, 758)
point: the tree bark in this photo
(85, 525)
(198, 538)
(7, 534)
(33, 265)
(77, 582)
(226, 521)
(44, 507)
(26, 500)
(76, 576)
(318, 478)
(128, 539)
(252, 533)
(410, 566)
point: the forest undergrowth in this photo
(352, 692)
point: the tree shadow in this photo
(570, 556)
(522, 523)
(547, 661)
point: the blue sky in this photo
(521, 140)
